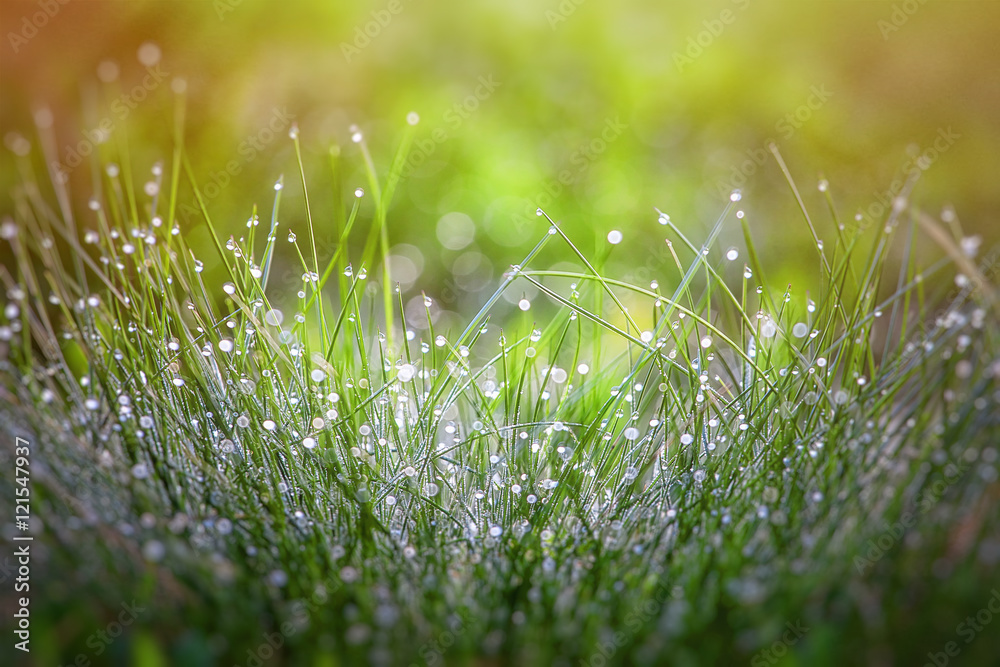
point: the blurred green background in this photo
(597, 111)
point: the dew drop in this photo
(274, 317)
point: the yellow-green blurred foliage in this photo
(683, 93)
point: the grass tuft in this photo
(654, 474)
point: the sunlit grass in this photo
(659, 471)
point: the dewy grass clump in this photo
(708, 469)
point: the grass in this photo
(710, 469)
